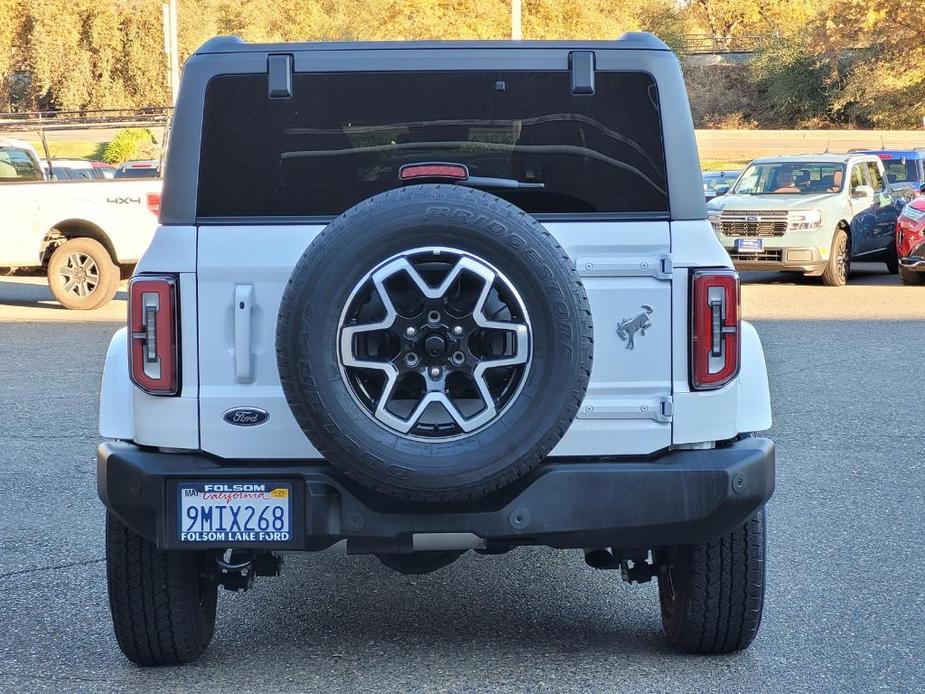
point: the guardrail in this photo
(50, 121)
(701, 44)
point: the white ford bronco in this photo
(367, 322)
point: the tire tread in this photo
(724, 591)
(149, 600)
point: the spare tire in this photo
(434, 343)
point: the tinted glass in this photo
(791, 178)
(712, 181)
(17, 165)
(343, 137)
(136, 173)
(899, 170)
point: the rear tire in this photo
(81, 274)
(839, 266)
(712, 594)
(910, 277)
(162, 602)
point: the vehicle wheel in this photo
(162, 602)
(892, 260)
(911, 277)
(839, 265)
(712, 594)
(434, 343)
(81, 274)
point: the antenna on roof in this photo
(827, 143)
(882, 144)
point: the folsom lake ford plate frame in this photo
(749, 245)
(251, 512)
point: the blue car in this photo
(905, 170)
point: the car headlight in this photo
(798, 220)
(716, 220)
(912, 213)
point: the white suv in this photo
(378, 334)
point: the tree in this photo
(884, 85)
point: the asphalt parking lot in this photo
(845, 608)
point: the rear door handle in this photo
(243, 308)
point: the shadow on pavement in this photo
(872, 274)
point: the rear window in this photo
(900, 170)
(18, 165)
(343, 137)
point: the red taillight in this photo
(154, 203)
(715, 323)
(884, 155)
(152, 326)
(454, 172)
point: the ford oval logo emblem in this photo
(246, 416)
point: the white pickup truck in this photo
(81, 232)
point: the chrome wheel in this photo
(80, 274)
(434, 344)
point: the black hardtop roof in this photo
(631, 41)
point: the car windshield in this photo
(791, 178)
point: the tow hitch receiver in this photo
(238, 568)
(636, 564)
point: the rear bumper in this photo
(681, 497)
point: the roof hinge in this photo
(582, 66)
(279, 71)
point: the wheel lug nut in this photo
(433, 316)
(458, 358)
(411, 359)
(457, 330)
(435, 372)
(411, 331)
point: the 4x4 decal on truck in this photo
(123, 201)
(626, 328)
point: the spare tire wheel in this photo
(434, 343)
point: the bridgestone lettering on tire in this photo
(434, 343)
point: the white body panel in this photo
(117, 208)
(117, 417)
(619, 264)
(173, 422)
(624, 409)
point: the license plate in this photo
(749, 245)
(223, 512)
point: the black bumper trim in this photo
(682, 497)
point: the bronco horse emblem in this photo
(627, 328)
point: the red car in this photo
(910, 241)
